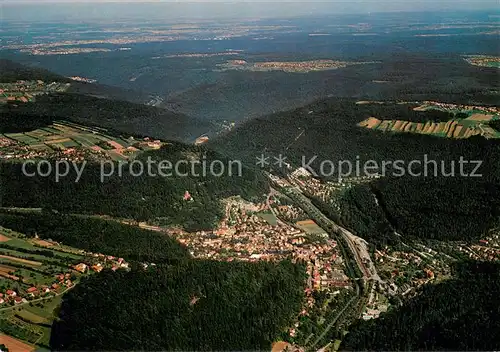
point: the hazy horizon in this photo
(147, 9)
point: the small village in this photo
(64, 140)
(23, 284)
(458, 107)
(251, 232)
(26, 91)
(487, 249)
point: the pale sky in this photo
(409, 4)
(83, 10)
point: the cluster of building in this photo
(99, 261)
(376, 305)
(94, 262)
(6, 142)
(487, 249)
(25, 91)
(24, 152)
(63, 281)
(82, 79)
(10, 296)
(63, 51)
(325, 190)
(290, 213)
(460, 107)
(64, 145)
(289, 66)
(198, 55)
(407, 271)
(149, 143)
(60, 283)
(484, 61)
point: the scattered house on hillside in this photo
(187, 197)
(97, 267)
(82, 267)
(429, 273)
(194, 300)
(2, 301)
(32, 291)
(11, 293)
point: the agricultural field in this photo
(15, 344)
(72, 140)
(34, 274)
(468, 122)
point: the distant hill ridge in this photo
(102, 106)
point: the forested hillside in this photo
(96, 235)
(122, 116)
(17, 123)
(195, 305)
(159, 200)
(458, 315)
(11, 71)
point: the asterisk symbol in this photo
(280, 160)
(262, 161)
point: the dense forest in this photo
(430, 205)
(194, 305)
(360, 213)
(96, 235)
(157, 199)
(17, 123)
(495, 124)
(460, 315)
(442, 209)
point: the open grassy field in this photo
(22, 138)
(310, 227)
(481, 117)
(268, 217)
